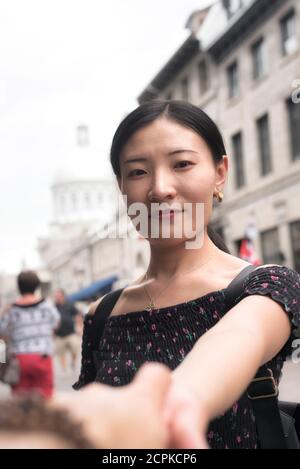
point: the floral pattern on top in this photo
(168, 334)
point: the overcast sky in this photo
(65, 63)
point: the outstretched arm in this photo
(221, 365)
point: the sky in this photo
(64, 63)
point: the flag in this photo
(247, 252)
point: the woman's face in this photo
(168, 163)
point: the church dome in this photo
(81, 163)
(79, 190)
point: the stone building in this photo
(241, 64)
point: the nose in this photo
(162, 187)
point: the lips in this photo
(165, 213)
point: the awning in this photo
(93, 291)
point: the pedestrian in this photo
(176, 313)
(28, 328)
(67, 338)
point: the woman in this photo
(172, 153)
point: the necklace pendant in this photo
(150, 307)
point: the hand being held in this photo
(186, 418)
(130, 416)
(151, 412)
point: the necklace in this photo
(151, 305)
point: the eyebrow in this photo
(173, 152)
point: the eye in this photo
(136, 172)
(183, 164)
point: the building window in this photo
(232, 6)
(233, 80)
(169, 96)
(74, 201)
(87, 200)
(237, 146)
(294, 122)
(271, 252)
(203, 76)
(237, 246)
(288, 33)
(264, 144)
(62, 203)
(259, 59)
(295, 240)
(185, 88)
(82, 135)
(140, 261)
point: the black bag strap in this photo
(108, 302)
(236, 286)
(101, 314)
(263, 390)
(263, 394)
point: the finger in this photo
(179, 398)
(154, 380)
(185, 433)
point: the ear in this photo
(221, 172)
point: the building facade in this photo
(8, 289)
(241, 65)
(109, 252)
(88, 249)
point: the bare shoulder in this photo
(233, 262)
(230, 265)
(234, 265)
(94, 306)
(127, 294)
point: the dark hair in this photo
(31, 413)
(28, 282)
(183, 113)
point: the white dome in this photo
(81, 193)
(80, 164)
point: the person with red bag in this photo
(28, 328)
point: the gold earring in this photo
(219, 195)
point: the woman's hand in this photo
(186, 418)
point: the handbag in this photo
(277, 422)
(10, 371)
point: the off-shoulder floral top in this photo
(167, 335)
